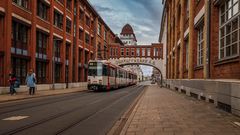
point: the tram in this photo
(103, 75)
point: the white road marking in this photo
(237, 123)
(13, 118)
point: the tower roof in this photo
(127, 29)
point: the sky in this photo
(143, 15)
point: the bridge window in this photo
(133, 52)
(116, 52)
(155, 52)
(148, 52)
(122, 51)
(138, 52)
(143, 51)
(127, 53)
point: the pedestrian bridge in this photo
(150, 55)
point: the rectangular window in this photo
(19, 67)
(143, 51)
(186, 45)
(68, 26)
(105, 35)
(41, 68)
(187, 9)
(88, 21)
(200, 46)
(116, 52)
(42, 10)
(87, 38)
(58, 19)
(80, 55)
(111, 52)
(69, 5)
(155, 52)
(86, 57)
(81, 34)
(19, 38)
(68, 45)
(148, 52)
(138, 52)
(122, 51)
(22, 3)
(57, 50)
(81, 15)
(133, 52)
(127, 52)
(57, 74)
(99, 29)
(229, 29)
(41, 45)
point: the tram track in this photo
(38, 103)
(96, 112)
(34, 103)
(55, 116)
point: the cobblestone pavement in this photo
(164, 112)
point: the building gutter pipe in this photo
(208, 38)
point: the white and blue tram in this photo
(103, 75)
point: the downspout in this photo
(208, 38)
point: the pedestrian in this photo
(12, 79)
(31, 82)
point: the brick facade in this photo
(117, 51)
(47, 36)
(186, 20)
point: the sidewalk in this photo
(161, 111)
(41, 93)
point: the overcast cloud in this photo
(143, 15)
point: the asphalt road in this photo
(84, 113)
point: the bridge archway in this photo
(155, 63)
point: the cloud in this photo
(103, 9)
(143, 15)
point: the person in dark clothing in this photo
(12, 79)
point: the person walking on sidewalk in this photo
(31, 82)
(12, 79)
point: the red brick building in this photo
(193, 39)
(56, 38)
(202, 49)
(154, 51)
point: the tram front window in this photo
(95, 69)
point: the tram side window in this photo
(105, 70)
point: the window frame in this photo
(200, 43)
(225, 48)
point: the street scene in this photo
(119, 67)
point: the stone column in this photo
(191, 40)
(182, 19)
